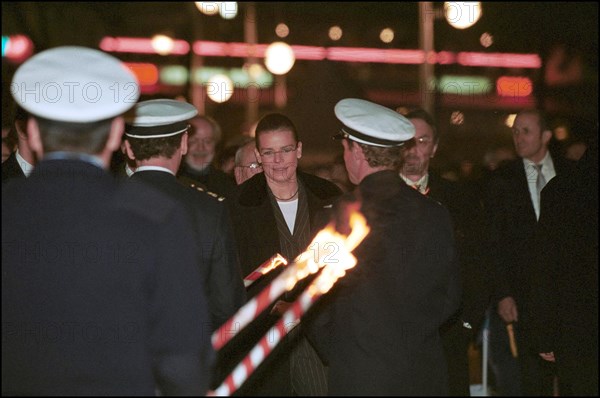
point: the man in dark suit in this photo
(100, 295)
(513, 209)
(378, 329)
(563, 307)
(20, 163)
(466, 215)
(157, 139)
(198, 165)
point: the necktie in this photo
(421, 189)
(540, 182)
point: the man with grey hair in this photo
(246, 164)
(378, 329)
(197, 167)
(101, 293)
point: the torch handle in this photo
(266, 344)
(512, 341)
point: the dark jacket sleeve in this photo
(225, 279)
(496, 217)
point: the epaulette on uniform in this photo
(214, 195)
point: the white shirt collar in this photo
(422, 182)
(23, 164)
(153, 168)
(547, 166)
(128, 170)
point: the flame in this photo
(330, 250)
(275, 262)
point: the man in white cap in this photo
(157, 139)
(378, 331)
(93, 302)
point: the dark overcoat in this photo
(378, 329)
(101, 295)
(214, 235)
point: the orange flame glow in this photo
(331, 250)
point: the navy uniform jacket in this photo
(212, 178)
(219, 263)
(101, 295)
(378, 327)
(466, 210)
(11, 168)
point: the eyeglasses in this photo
(422, 140)
(284, 151)
(251, 166)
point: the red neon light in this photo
(19, 48)
(502, 60)
(375, 55)
(243, 50)
(211, 49)
(446, 57)
(395, 97)
(348, 54)
(140, 45)
(147, 74)
(310, 52)
(508, 86)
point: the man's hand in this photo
(507, 309)
(280, 307)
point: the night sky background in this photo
(315, 86)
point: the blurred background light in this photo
(462, 14)
(510, 86)
(147, 74)
(174, 75)
(282, 30)
(500, 60)
(208, 7)
(140, 45)
(486, 39)
(386, 35)
(464, 85)
(162, 44)
(219, 88)
(228, 9)
(279, 58)
(335, 33)
(16, 48)
(561, 133)
(457, 118)
(510, 120)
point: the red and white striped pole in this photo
(253, 308)
(288, 321)
(269, 265)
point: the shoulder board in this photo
(214, 195)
